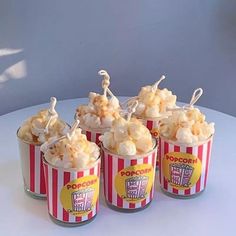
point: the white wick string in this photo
(195, 97)
(50, 116)
(51, 113)
(71, 132)
(132, 99)
(110, 92)
(128, 101)
(155, 86)
(131, 109)
(53, 103)
(105, 81)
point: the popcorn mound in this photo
(186, 126)
(31, 129)
(100, 112)
(74, 152)
(127, 137)
(154, 103)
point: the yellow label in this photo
(79, 196)
(182, 170)
(134, 183)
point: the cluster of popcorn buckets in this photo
(128, 181)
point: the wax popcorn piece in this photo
(137, 131)
(73, 152)
(145, 144)
(93, 151)
(108, 140)
(126, 148)
(153, 111)
(82, 160)
(153, 102)
(186, 126)
(127, 137)
(120, 130)
(184, 135)
(140, 109)
(91, 120)
(100, 112)
(107, 120)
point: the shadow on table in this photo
(101, 194)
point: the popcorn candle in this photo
(184, 150)
(102, 109)
(33, 132)
(153, 104)
(72, 170)
(129, 164)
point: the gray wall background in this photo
(64, 43)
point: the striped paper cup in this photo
(183, 169)
(129, 180)
(32, 168)
(72, 194)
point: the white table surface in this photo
(212, 213)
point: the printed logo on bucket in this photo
(155, 132)
(182, 170)
(134, 182)
(79, 196)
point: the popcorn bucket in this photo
(153, 126)
(129, 180)
(183, 169)
(32, 168)
(72, 194)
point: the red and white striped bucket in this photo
(183, 169)
(72, 195)
(32, 168)
(129, 180)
